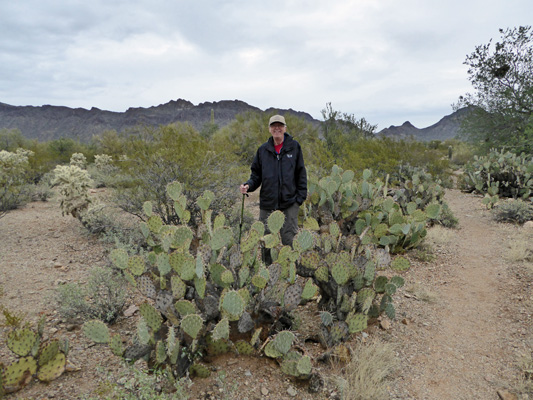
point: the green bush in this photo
(515, 211)
(156, 157)
(14, 179)
(103, 297)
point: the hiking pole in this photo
(242, 217)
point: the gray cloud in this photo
(387, 61)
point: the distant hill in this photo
(447, 128)
(47, 122)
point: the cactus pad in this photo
(119, 258)
(96, 331)
(271, 240)
(200, 286)
(292, 297)
(271, 351)
(164, 301)
(400, 264)
(115, 344)
(339, 330)
(221, 330)
(155, 223)
(19, 372)
(340, 273)
(136, 265)
(148, 208)
(151, 316)
(397, 281)
(146, 287)
(192, 325)
(275, 221)
(178, 287)
(21, 341)
(163, 264)
(185, 307)
(322, 274)
(205, 200)
(232, 305)
(309, 290)
(379, 284)
(188, 268)
(310, 259)
(48, 352)
(53, 368)
(305, 240)
(356, 322)
(326, 318)
(283, 341)
(244, 348)
(304, 366)
(199, 370)
(174, 190)
(221, 237)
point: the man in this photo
(278, 167)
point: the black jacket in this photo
(282, 177)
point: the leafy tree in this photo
(11, 139)
(502, 104)
(341, 128)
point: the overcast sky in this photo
(388, 61)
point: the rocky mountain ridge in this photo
(53, 122)
(447, 128)
(49, 122)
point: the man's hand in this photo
(244, 189)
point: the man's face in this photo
(277, 130)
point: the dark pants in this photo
(290, 226)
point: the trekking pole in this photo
(242, 217)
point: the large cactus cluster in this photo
(208, 294)
(364, 210)
(500, 174)
(34, 357)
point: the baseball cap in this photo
(276, 118)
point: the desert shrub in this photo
(14, 179)
(103, 297)
(103, 171)
(41, 192)
(514, 211)
(156, 157)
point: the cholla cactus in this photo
(73, 183)
(102, 161)
(79, 160)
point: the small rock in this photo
(130, 310)
(528, 225)
(405, 321)
(291, 391)
(264, 391)
(505, 395)
(58, 265)
(247, 373)
(52, 330)
(385, 324)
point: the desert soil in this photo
(463, 318)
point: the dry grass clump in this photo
(438, 236)
(368, 373)
(520, 247)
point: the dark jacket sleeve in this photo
(301, 178)
(256, 173)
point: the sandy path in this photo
(466, 344)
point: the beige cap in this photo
(276, 118)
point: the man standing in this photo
(278, 167)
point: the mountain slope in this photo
(53, 122)
(447, 128)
